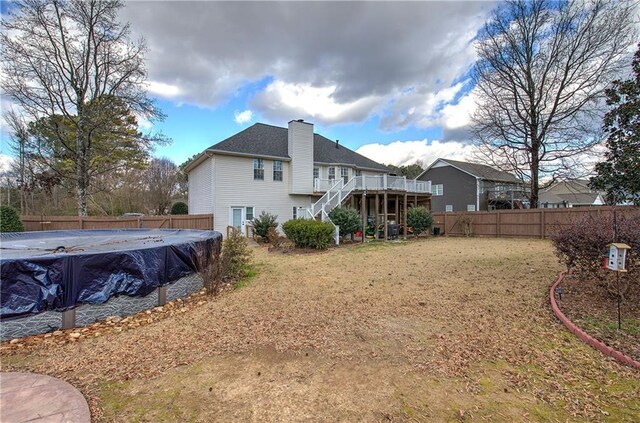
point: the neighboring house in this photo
(287, 172)
(462, 186)
(570, 193)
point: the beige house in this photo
(290, 172)
(570, 193)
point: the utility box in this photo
(617, 256)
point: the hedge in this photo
(309, 233)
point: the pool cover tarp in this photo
(57, 270)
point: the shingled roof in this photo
(482, 171)
(266, 140)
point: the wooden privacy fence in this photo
(56, 223)
(528, 223)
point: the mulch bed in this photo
(590, 305)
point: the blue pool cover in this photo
(57, 270)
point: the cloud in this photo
(5, 163)
(282, 101)
(354, 59)
(163, 90)
(408, 152)
(243, 117)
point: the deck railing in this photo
(376, 183)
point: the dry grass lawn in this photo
(433, 330)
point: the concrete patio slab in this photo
(30, 397)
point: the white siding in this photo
(201, 187)
(300, 144)
(235, 187)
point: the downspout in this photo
(478, 184)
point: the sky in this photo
(390, 80)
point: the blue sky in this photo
(389, 79)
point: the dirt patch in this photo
(438, 329)
(590, 305)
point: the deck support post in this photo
(376, 216)
(386, 216)
(397, 211)
(363, 214)
(405, 217)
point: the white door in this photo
(237, 218)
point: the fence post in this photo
(81, 222)
(542, 224)
(497, 223)
(446, 232)
(170, 222)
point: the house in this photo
(570, 193)
(463, 186)
(293, 173)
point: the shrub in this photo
(10, 220)
(466, 221)
(180, 208)
(309, 233)
(262, 224)
(582, 244)
(419, 219)
(347, 219)
(229, 266)
(235, 255)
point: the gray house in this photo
(293, 172)
(463, 186)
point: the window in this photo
(332, 173)
(471, 207)
(316, 172)
(258, 169)
(437, 189)
(358, 172)
(295, 212)
(248, 213)
(344, 174)
(448, 208)
(277, 170)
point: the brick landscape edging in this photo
(585, 337)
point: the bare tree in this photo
(161, 179)
(19, 141)
(61, 58)
(540, 77)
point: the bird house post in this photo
(617, 263)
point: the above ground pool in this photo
(61, 270)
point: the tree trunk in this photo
(535, 182)
(81, 162)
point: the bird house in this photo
(617, 256)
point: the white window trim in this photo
(258, 161)
(437, 192)
(448, 208)
(471, 207)
(281, 170)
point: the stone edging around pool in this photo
(585, 337)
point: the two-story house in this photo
(292, 173)
(463, 186)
